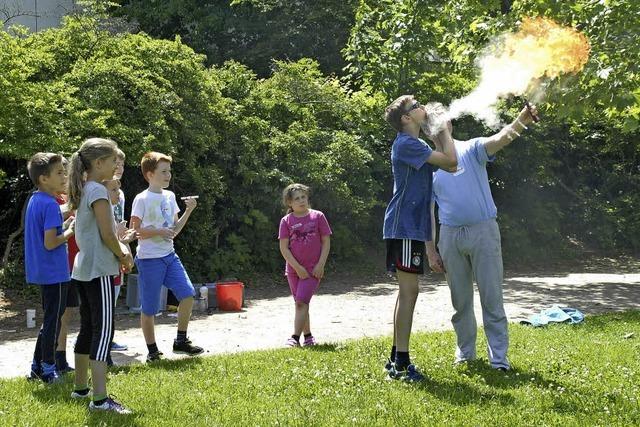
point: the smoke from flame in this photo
(517, 61)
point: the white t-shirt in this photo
(156, 210)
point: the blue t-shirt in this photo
(408, 215)
(464, 197)
(43, 266)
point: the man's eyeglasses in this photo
(413, 106)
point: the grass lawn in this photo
(585, 374)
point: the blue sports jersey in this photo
(408, 213)
(43, 266)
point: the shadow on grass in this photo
(165, 365)
(514, 378)
(324, 348)
(565, 402)
(459, 393)
(60, 394)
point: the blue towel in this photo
(555, 314)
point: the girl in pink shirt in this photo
(304, 244)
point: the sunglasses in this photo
(413, 106)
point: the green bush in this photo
(237, 141)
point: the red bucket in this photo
(229, 295)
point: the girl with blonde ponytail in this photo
(100, 258)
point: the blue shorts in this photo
(155, 272)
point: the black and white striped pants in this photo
(96, 317)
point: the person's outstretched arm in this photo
(497, 142)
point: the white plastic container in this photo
(31, 318)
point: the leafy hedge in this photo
(237, 141)
(240, 134)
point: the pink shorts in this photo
(302, 289)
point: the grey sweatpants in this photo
(468, 253)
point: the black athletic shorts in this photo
(405, 255)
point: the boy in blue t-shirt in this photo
(406, 222)
(45, 254)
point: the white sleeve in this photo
(137, 209)
(174, 203)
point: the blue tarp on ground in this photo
(555, 314)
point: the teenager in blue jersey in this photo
(407, 224)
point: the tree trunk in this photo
(14, 235)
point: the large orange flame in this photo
(516, 62)
(547, 48)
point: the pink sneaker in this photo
(291, 342)
(309, 341)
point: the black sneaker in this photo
(155, 356)
(186, 347)
(65, 369)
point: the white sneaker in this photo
(76, 395)
(110, 405)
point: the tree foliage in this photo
(248, 114)
(572, 178)
(252, 32)
(237, 141)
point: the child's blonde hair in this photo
(287, 194)
(91, 150)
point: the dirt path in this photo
(345, 308)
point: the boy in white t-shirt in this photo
(154, 216)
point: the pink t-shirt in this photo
(305, 237)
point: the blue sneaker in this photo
(118, 347)
(410, 374)
(50, 374)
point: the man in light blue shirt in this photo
(470, 243)
(406, 222)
